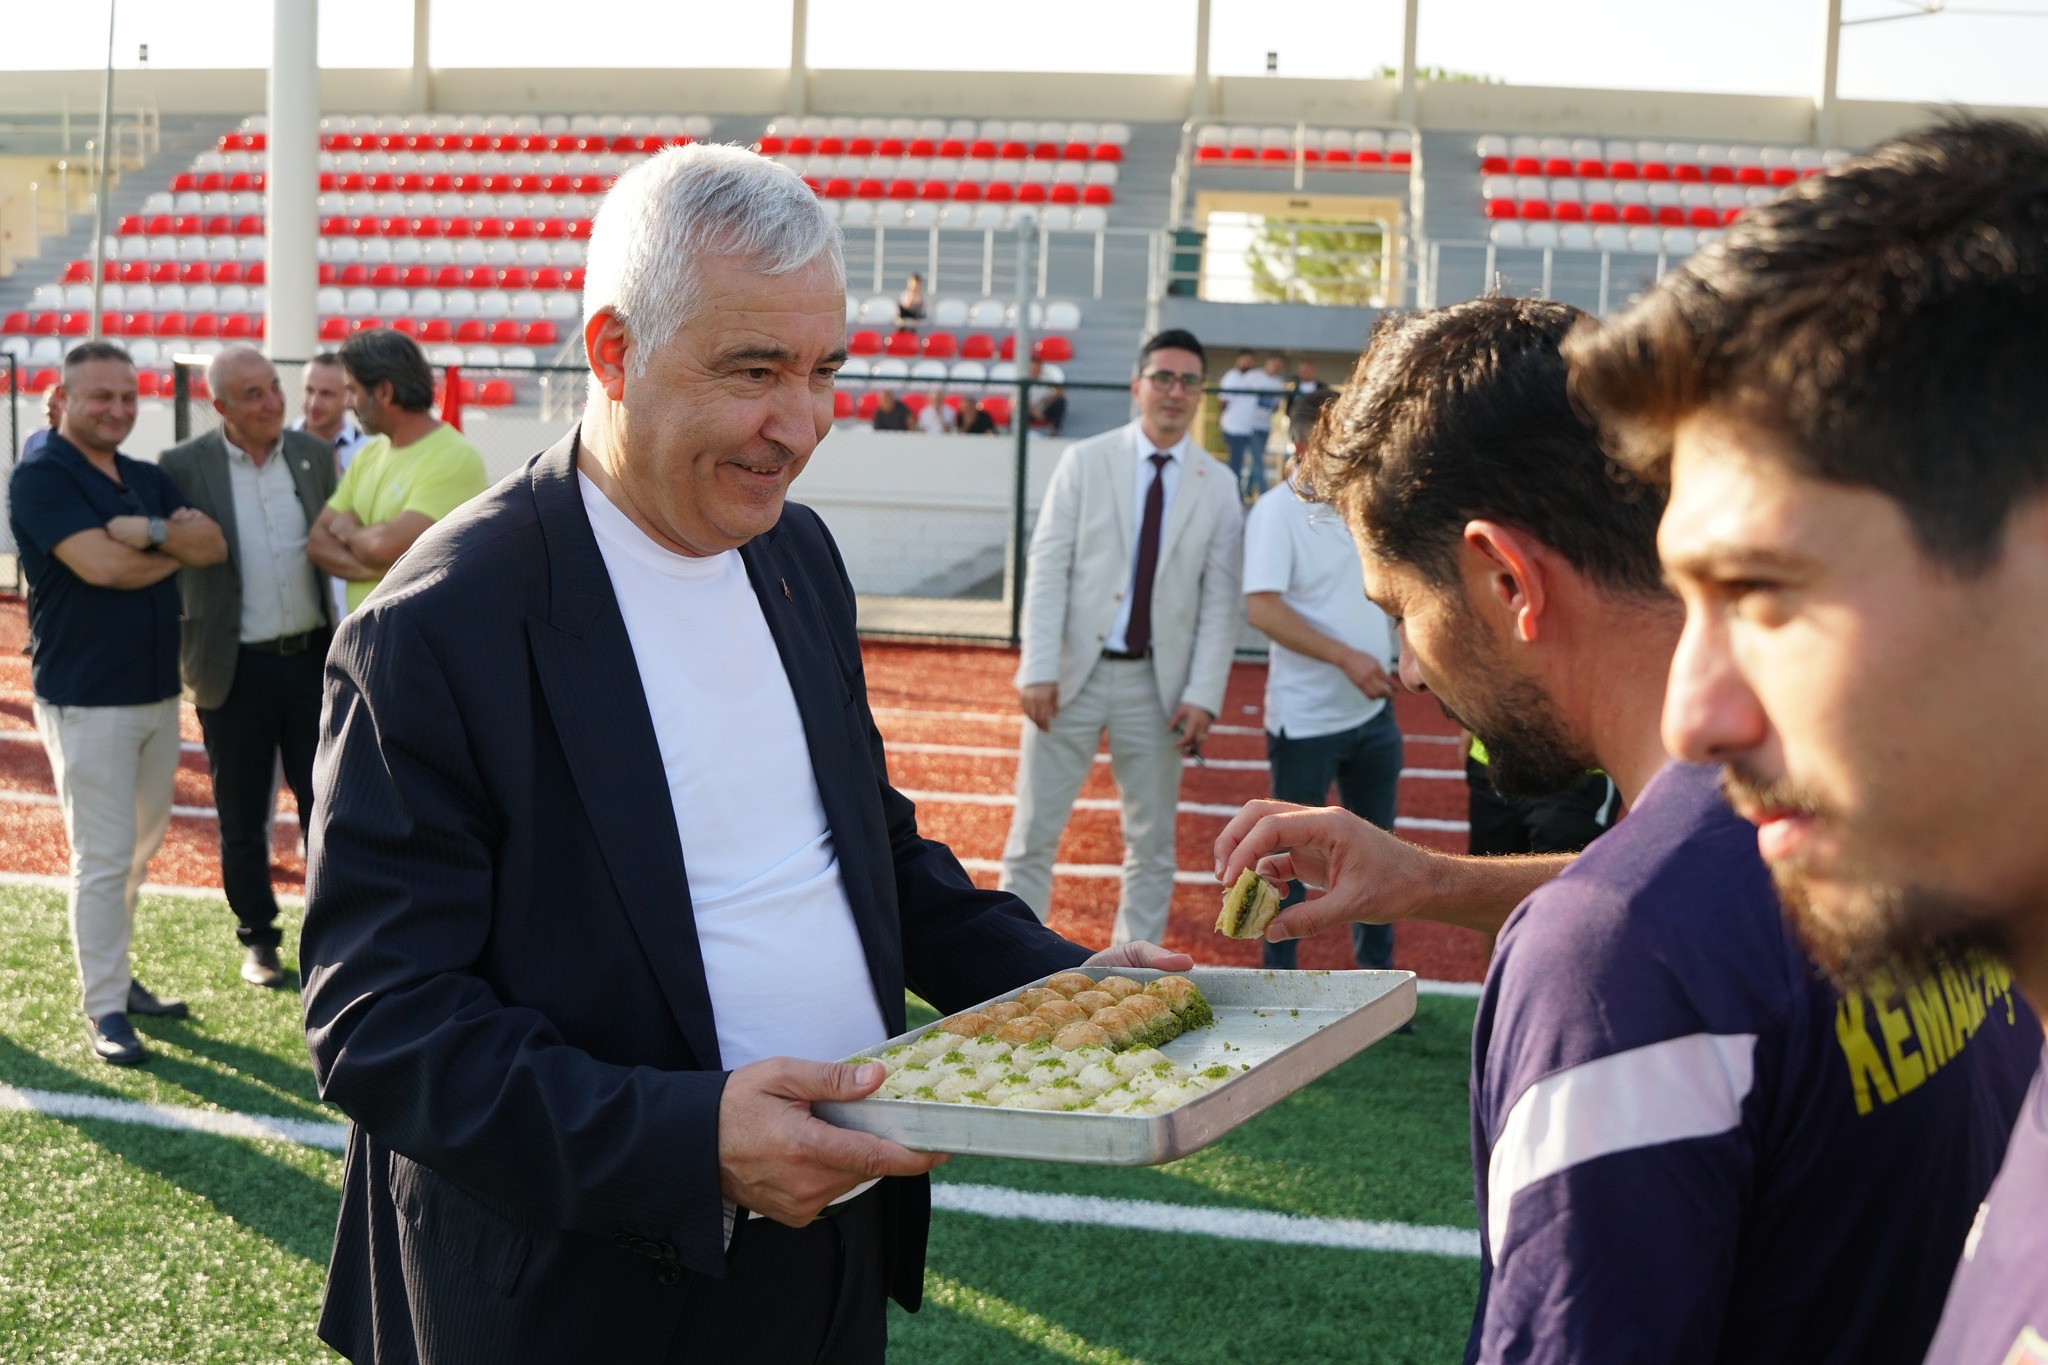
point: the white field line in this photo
(220, 1123)
(1246, 765)
(987, 1201)
(190, 746)
(1009, 718)
(1105, 803)
(50, 881)
(1237, 1225)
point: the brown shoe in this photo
(260, 967)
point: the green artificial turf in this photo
(126, 1243)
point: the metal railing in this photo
(1557, 273)
(1066, 262)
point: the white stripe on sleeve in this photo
(1682, 1088)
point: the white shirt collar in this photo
(236, 452)
(1178, 450)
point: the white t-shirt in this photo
(1303, 551)
(782, 957)
(1247, 401)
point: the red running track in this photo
(927, 697)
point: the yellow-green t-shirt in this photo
(434, 475)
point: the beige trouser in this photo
(114, 768)
(1122, 697)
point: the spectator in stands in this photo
(256, 628)
(416, 471)
(891, 412)
(605, 872)
(910, 303)
(1328, 718)
(53, 411)
(100, 536)
(1248, 395)
(1048, 404)
(1132, 605)
(983, 423)
(1305, 400)
(1845, 404)
(323, 403)
(1656, 975)
(935, 418)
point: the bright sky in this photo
(1976, 52)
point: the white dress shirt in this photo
(1169, 478)
(280, 586)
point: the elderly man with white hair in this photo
(607, 871)
(256, 627)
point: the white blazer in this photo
(1081, 561)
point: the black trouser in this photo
(1562, 823)
(273, 709)
(1365, 764)
(793, 1296)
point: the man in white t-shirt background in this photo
(1328, 717)
(1249, 396)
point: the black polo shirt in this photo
(92, 646)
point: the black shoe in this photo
(260, 966)
(143, 1001)
(113, 1040)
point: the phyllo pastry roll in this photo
(1185, 999)
(1118, 986)
(968, 1025)
(1085, 1034)
(1027, 1028)
(1067, 983)
(1060, 1013)
(1003, 1011)
(1092, 1000)
(1034, 996)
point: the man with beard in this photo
(1846, 400)
(1686, 1146)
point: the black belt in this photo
(288, 645)
(1127, 656)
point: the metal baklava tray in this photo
(1289, 1027)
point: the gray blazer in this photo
(212, 597)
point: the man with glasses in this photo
(101, 536)
(1131, 611)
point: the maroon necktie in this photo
(1138, 635)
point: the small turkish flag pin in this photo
(786, 593)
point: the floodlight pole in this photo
(292, 191)
(1405, 111)
(799, 57)
(99, 196)
(1824, 109)
(1198, 99)
(422, 78)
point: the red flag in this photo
(451, 397)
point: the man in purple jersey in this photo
(1847, 402)
(1687, 1146)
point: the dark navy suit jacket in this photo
(503, 987)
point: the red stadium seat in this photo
(1108, 151)
(1720, 175)
(1493, 165)
(1635, 215)
(471, 332)
(1012, 151)
(917, 403)
(331, 329)
(134, 272)
(839, 187)
(1729, 215)
(1053, 348)
(833, 146)
(354, 276)
(541, 333)
(572, 278)
(131, 225)
(380, 183)
(982, 148)
(15, 324)
(1526, 165)
(998, 409)
(1602, 213)
(249, 225)
(551, 229)
(199, 387)
(184, 183)
(139, 324)
(42, 381)
(1337, 156)
(75, 324)
(1703, 217)
(44, 324)
(1656, 170)
(440, 182)
(1074, 151)
(1400, 158)
(587, 184)
(1045, 151)
(436, 331)
(364, 325)
(1008, 349)
(1097, 194)
(977, 346)
(1688, 173)
(495, 393)
(903, 189)
(1030, 193)
(902, 344)
(77, 272)
(1557, 168)
(1670, 215)
(966, 191)
(547, 277)
(1783, 175)
(205, 325)
(165, 272)
(386, 276)
(1751, 175)
(218, 225)
(769, 146)
(869, 189)
(213, 182)
(1622, 170)
(149, 384)
(448, 277)
(514, 277)
(407, 326)
(237, 326)
(842, 405)
(479, 277)
(869, 401)
(519, 229)
(922, 146)
(489, 227)
(864, 343)
(505, 332)
(1066, 194)
(1243, 154)
(953, 148)
(1592, 170)
(160, 225)
(111, 325)
(1535, 210)
(938, 346)
(1568, 211)
(799, 146)
(935, 190)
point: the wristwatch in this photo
(159, 532)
